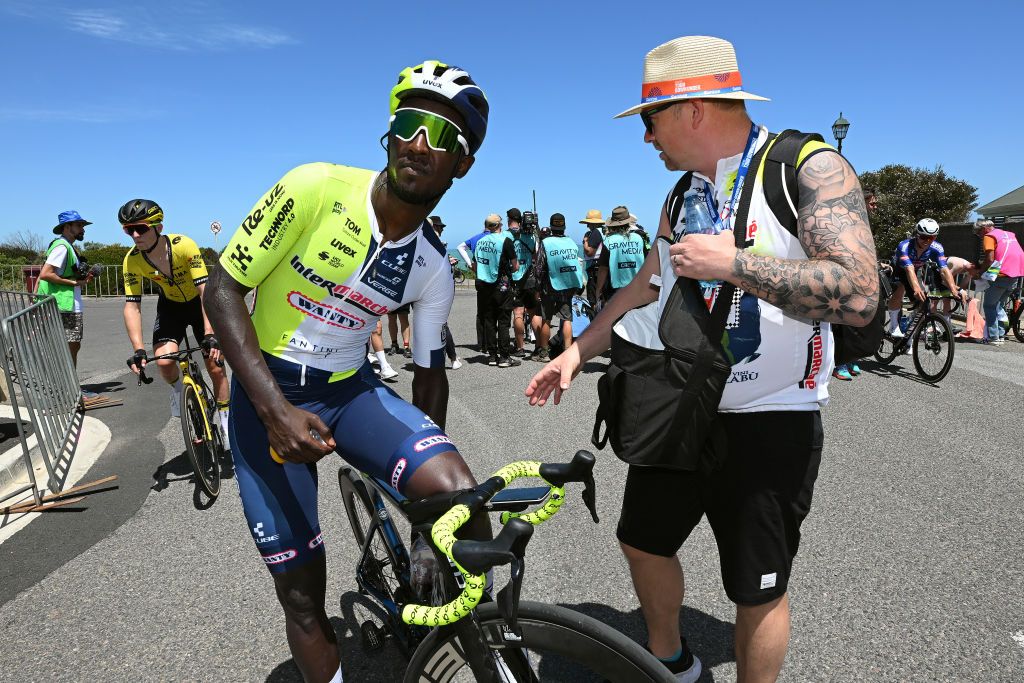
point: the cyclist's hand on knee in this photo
(555, 377)
(919, 294)
(299, 436)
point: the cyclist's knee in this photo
(303, 603)
(444, 472)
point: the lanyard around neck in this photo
(737, 188)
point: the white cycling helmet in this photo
(927, 227)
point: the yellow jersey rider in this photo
(174, 264)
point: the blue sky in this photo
(203, 105)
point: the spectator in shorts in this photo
(560, 276)
(524, 284)
(449, 341)
(61, 276)
(1002, 264)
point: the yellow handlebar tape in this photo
(443, 533)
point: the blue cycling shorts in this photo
(377, 432)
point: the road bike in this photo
(930, 337)
(199, 420)
(458, 275)
(470, 636)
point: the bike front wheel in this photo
(201, 444)
(459, 277)
(1017, 324)
(933, 348)
(553, 644)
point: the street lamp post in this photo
(839, 129)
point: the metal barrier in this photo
(42, 384)
(108, 283)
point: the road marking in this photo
(1019, 638)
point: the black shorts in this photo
(556, 304)
(401, 309)
(522, 297)
(172, 317)
(755, 502)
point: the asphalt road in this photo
(910, 566)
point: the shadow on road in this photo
(104, 387)
(386, 664)
(179, 469)
(891, 371)
(711, 639)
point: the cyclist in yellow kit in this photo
(174, 264)
(330, 249)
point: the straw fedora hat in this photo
(593, 217)
(690, 67)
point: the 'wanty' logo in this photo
(328, 314)
(430, 442)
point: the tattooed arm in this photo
(838, 282)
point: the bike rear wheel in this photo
(459, 277)
(1015, 322)
(556, 644)
(202, 445)
(933, 348)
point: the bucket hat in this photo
(65, 217)
(593, 217)
(620, 216)
(690, 67)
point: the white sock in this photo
(337, 677)
(382, 357)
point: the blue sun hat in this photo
(65, 217)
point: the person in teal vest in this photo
(495, 260)
(561, 277)
(61, 277)
(524, 284)
(622, 256)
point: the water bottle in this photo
(699, 222)
(423, 566)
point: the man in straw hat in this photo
(790, 289)
(593, 242)
(623, 254)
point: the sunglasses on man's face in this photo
(140, 230)
(646, 114)
(442, 135)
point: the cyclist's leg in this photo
(168, 331)
(218, 375)
(383, 435)
(895, 302)
(280, 505)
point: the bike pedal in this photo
(373, 636)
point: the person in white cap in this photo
(789, 289)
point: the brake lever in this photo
(508, 597)
(590, 497)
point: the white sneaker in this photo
(456, 364)
(372, 358)
(896, 333)
(387, 373)
(176, 398)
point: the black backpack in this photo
(783, 196)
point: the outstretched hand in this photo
(554, 377)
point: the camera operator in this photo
(523, 228)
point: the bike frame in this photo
(189, 371)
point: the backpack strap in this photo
(674, 203)
(781, 164)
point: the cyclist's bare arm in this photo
(133, 323)
(288, 427)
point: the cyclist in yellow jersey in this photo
(329, 250)
(174, 264)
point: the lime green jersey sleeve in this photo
(274, 225)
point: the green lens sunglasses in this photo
(442, 134)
